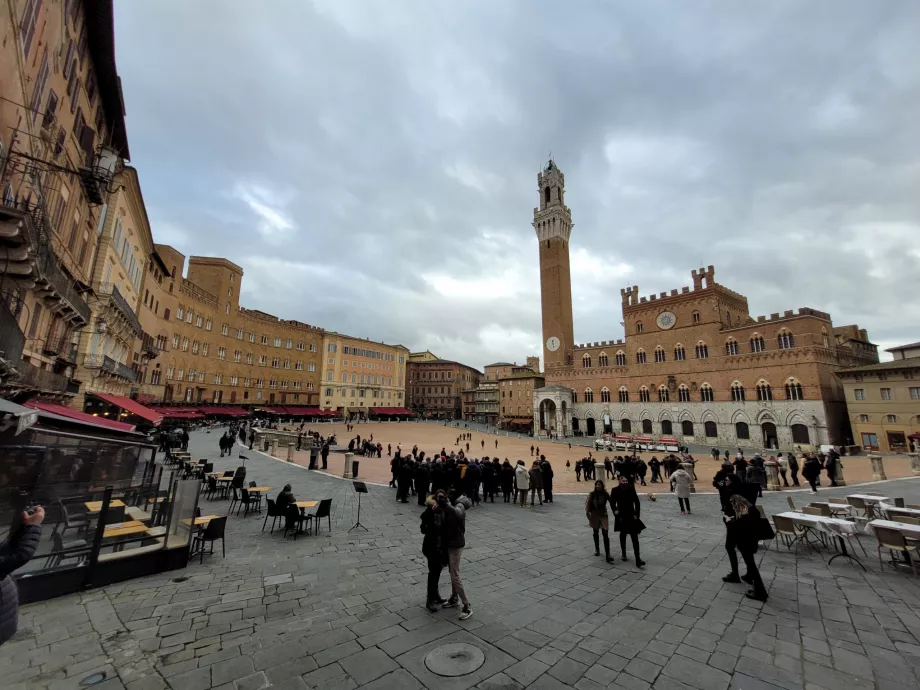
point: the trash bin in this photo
(354, 468)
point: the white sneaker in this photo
(466, 612)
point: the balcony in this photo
(106, 363)
(12, 340)
(44, 380)
(149, 346)
(121, 306)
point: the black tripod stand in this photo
(360, 488)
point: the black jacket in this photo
(625, 503)
(547, 474)
(14, 554)
(432, 528)
(745, 529)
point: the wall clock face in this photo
(552, 343)
(666, 320)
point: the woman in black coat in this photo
(507, 478)
(744, 529)
(625, 503)
(15, 553)
(433, 550)
(811, 472)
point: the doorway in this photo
(769, 435)
(589, 424)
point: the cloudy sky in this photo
(372, 165)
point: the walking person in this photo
(745, 529)
(522, 480)
(608, 468)
(454, 535)
(547, 479)
(626, 509)
(655, 466)
(794, 468)
(434, 551)
(596, 511)
(831, 466)
(507, 480)
(324, 454)
(681, 481)
(536, 482)
(15, 552)
(783, 467)
(578, 471)
(812, 472)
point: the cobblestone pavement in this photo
(344, 610)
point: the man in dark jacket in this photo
(433, 550)
(471, 481)
(324, 454)
(547, 479)
(404, 480)
(488, 480)
(422, 480)
(454, 535)
(15, 553)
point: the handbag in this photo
(765, 530)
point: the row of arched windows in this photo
(785, 341)
(763, 391)
(710, 429)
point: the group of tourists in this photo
(811, 465)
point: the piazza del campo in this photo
(298, 417)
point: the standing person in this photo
(831, 466)
(536, 482)
(433, 549)
(404, 480)
(488, 484)
(394, 468)
(578, 467)
(522, 479)
(641, 469)
(715, 454)
(812, 471)
(471, 480)
(681, 481)
(507, 478)
(422, 481)
(454, 535)
(324, 454)
(794, 468)
(626, 509)
(596, 511)
(547, 479)
(15, 552)
(608, 468)
(252, 438)
(655, 467)
(783, 467)
(745, 527)
(483, 444)
(756, 474)
(531, 450)
(740, 465)
(496, 443)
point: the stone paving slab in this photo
(344, 609)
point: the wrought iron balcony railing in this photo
(12, 340)
(121, 304)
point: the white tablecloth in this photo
(870, 498)
(912, 531)
(887, 508)
(833, 526)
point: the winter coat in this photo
(507, 476)
(547, 475)
(596, 509)
(745, 529)
(536, 478)
(522, 477)
(625, 503)
(14, 554)
(681, 481)
(812, 469)
(432, 528)
(454, 523)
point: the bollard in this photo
(274, 447)
(838, 473)
(914, 463)
(348, 458)
(290, 452)
(772, 468)
(878, 469)
(688, 466)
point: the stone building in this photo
(883, 401)
(516, 390)
(360, 375)
(63, 137)
(694, 363)
(434, 387)
(426, 356)
(487, 398)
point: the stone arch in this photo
(740, 416)
(645, 414)
(709, 416)
(797, 417)
(766, 416)
(589, 414)
(686, 416)
(624, 414)
(663, 415)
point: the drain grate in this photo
(94, 678)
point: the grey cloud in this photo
(776, 141)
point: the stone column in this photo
(772, 468)
(348, 458)
(290, 452)
(914, 463)
(688, 466)
(838, 473)
(878, 469)
(273, 449)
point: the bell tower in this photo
(552, 221)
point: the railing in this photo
(125, 371)
(149, 345)
(12, 340)
(43, 379)
(122, 305)
(106, 363)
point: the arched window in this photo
(737, 392)
(757, 344)
(644, 395)
(706, 393)
(646, 426)
(621, 358)
(696, 317)
(666, 427)
(702, 352)
(605, 394)
(586, 361)
(602, 360)
(800, 433)
(764, 391)
(683, 393)
(731, 347)
(659, 354)
(166, 314)
(640, 357)
(662, 394)
(742, 431)
(624, 394)
(712, 429)
(574, 397)
(686, 427)
(785, 339)
(625, 426)
(679, 354)
(824, 338)
(794, 390)
(546, 195)
(589, 395)
(639, 327)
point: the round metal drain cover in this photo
(454, 659)
(94, 678)
(182, 578)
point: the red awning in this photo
(275, 410)
(623, 437)
(226, 411)
(131, 407)
(182, 414)
(668, 439)
(643, 439)
(78, 416)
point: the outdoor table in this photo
(306, 504)
(200, 521)
(225, 479)
(870, 498)
(886, 508)
(159, 499)
(96, 506)
(909, 531)
(829, 525)
(836, 508)
(259, 489)
(123, 529)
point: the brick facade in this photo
(435, 387)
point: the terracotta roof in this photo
(909, 363)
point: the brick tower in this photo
(552, 221)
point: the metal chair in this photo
(786, 530)
(895, 542)
(60, 551)
(323, 511)
(273, 513)
(234, 500)
(791, 504)
(899, 503)
(293, 519)
(211, 533)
